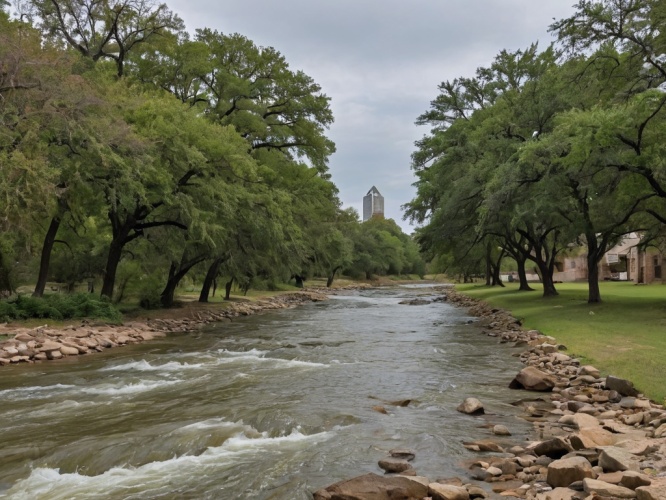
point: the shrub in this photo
(150, 293)
(58, 307)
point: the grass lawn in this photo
(625, 335)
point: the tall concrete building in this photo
(373, 204)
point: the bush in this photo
(150, 293)
(58, 307)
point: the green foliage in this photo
(149, 292)
(58, 307)
(381, 248)
(542, 150)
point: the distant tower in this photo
(373, 204)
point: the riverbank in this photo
(622, 335)
(597, 436)
(44, 343)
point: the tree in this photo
(252, 88)
(104, 29)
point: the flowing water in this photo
(272, 406)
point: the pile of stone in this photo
(599, 437)
(27, 345)
(400, 482)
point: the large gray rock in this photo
(533, 379)
(471, 406)
(607, 490)
(624, 387)
(447, 492)
(562, 473)
(374, 487)
(613, 459)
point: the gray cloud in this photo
(380, 62)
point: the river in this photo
(272, 406)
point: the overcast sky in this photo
(380, 61)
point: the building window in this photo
(657, 268)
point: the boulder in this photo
(494, 471)
(476, 492)
(559, 494)
(632, 480)
(501, 430)
(483, 445)
(49, 345)
(471, 406)
(562, 473)
(69, 351)
(589, 370)
(656, 491)
(447, 492)
(53, 355)
(533, 379)
(24, 337)
(579, 421)
(394, 465)
(374, 487)
(622, 386)
(402, 453)
(613, 459)
(607, 490)
(591, 437)
(660, 431)
(553, 448)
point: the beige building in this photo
(623, 262)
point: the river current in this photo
(272, 406)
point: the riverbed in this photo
(272, 406)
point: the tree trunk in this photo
(176, 274)
(496, 270)
(45, 260)
(112, 261)
(594, 294)
(6, 286)
(167, 295)
(522, 276)
(488, 265)
(227, 289)
(331, 277)
(546, 279)
(595, 252)
(210, 279)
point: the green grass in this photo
(625, 335)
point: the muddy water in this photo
(272, 406)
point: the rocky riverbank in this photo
(29, 345)
(598, 437)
